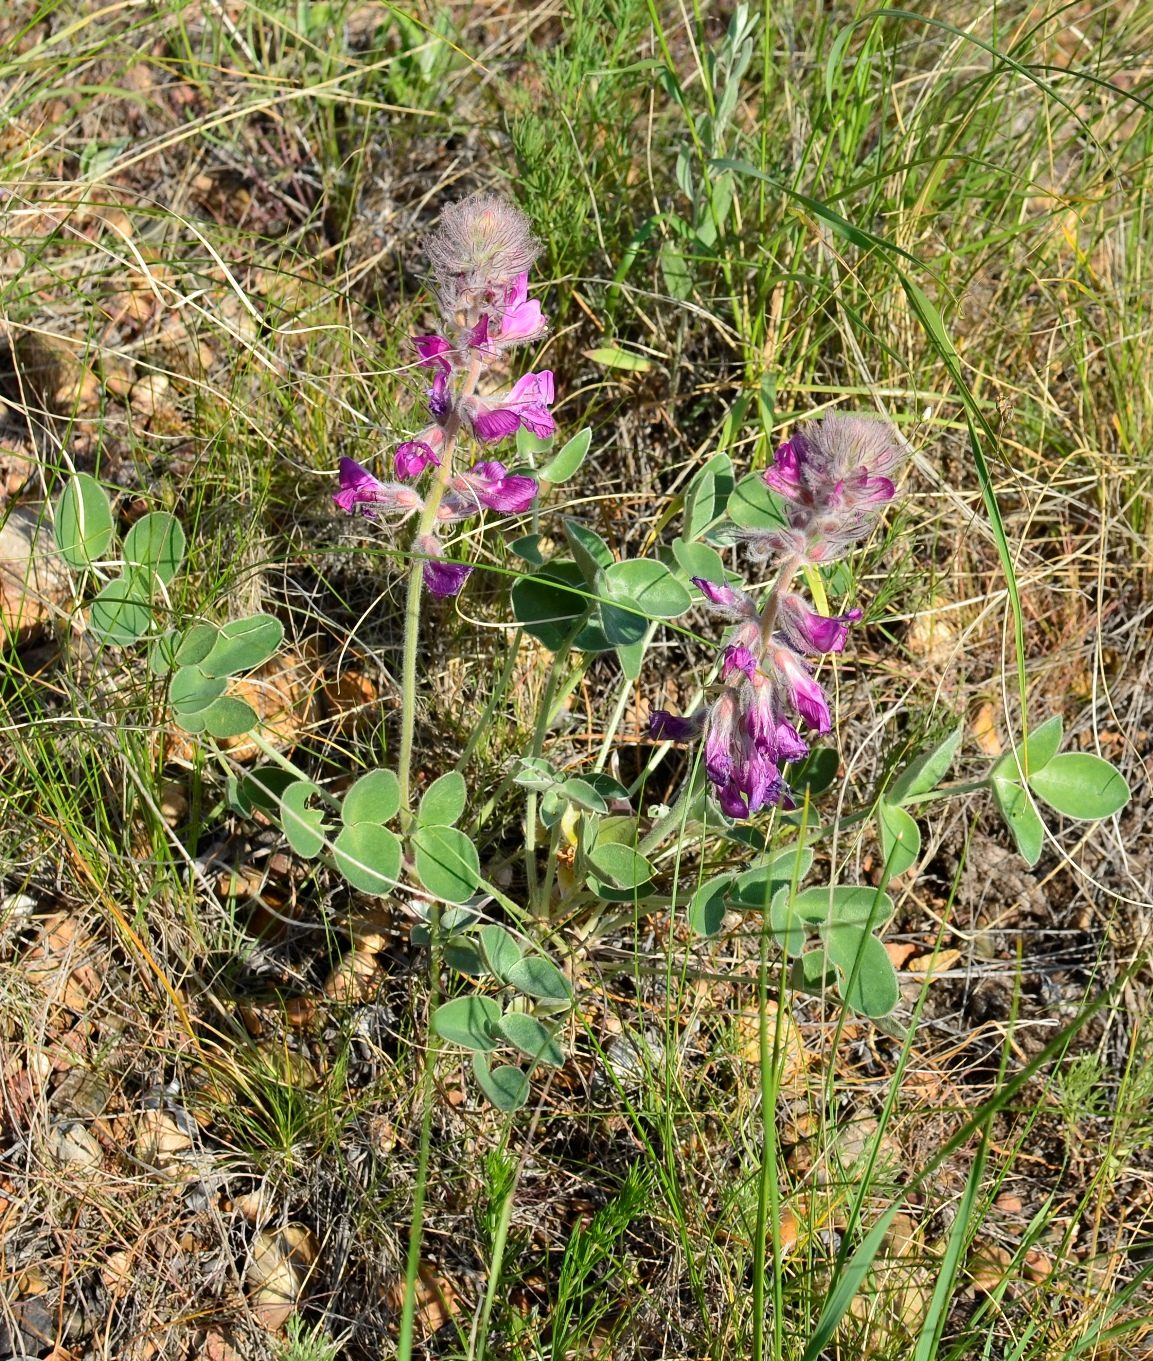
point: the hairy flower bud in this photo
(483, 244)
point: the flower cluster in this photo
(480, 254)
(833, 478)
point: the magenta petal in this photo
(358, 487)
(524, 322)
(413, 457)
(434, 352)
(511, 496)
(738, 658)
(494, 425)
(784, 477)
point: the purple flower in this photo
(520, 319)
(434, 352)
(358, 487)
(727, 601)
(670, 728)
(803, 692)
(807, 631)
(833, 475)
(440, 398)
(441, 577)
(493, 486)
(495, 418)
(413, 457)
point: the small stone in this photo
(148, 393)
(173, 802)
(73, 1145)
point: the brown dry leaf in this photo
(436, 1300)
(935, 964)
(356, 977)
(34, 582)
(795, 1058)
(984, 727)
(1008, 1204)
(932, 637)
(160, 1139)
(350, 697)
(150, 393)
(900, 952)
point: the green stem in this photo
(413, 599)
(427, 1092)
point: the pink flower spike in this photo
(434, 352)
(442, 578)
(358, 487)
(494, 487)
(412, 458)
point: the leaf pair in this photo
(149, 559)
(1075, 783)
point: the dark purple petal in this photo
(808, 631)
(668, 727)
(443, 578)
(493, 486)
(440, 399)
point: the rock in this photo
(149, 393)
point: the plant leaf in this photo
(83, 527)
(1022, 819)
(536, 976)
(443, 801)
(869, 983)
(243, 644)
(927, 770)
(900, 838)
(620, 866)
(707, 906)
(569, 457)
(534, 1040)
(500, 948)
(155, 546)
(1081, 785)
(1035, 752)
(447, 862)
(468, 1021)
(368, 855)
(506, 1086)
(375, 797)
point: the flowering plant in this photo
(480, 255)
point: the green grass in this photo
(942, 215)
